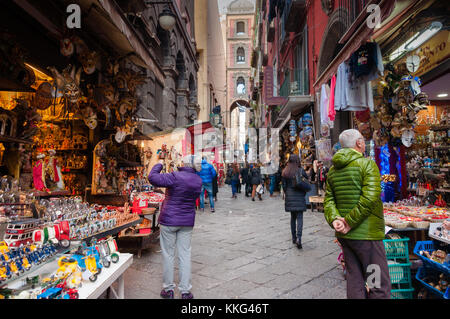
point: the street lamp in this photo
(167, 19)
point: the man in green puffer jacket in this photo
(353, 207)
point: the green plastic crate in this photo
(397, 249)
(400, 275)
(402, 293)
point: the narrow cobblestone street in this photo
(244, 250)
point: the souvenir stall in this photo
(395, 90)
(66, 122)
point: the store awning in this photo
(294, 104)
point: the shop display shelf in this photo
(431, 234)
(397, 249)
(443, 190)
(429, 247)
(60, 252)
(114, 231)
(422, 274)
(402, 293)
(439, 127)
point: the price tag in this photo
(387, 229)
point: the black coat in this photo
(295, 200)
(255, 176)
(244, 174)
(215, 186)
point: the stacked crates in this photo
(399, 266)
(431, 268)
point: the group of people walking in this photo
(250, 176)
(352, 207)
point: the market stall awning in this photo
(294, 104)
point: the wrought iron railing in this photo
(296, 82)
(350, 10)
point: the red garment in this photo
(331, 110)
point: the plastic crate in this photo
(424, 272)
(429, 247)
(402, 293)
(400, 274)
(397, 249)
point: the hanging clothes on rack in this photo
(352, 94)
(366, 63)
(331, 110)
(324, 101)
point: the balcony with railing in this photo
(296, 83)
(352, 13)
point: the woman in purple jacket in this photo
(176, 221)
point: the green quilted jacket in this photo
(353, 191)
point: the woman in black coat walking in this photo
(255, 179)
(295, 187)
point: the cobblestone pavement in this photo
(244, 251)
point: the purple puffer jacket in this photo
(182, 190)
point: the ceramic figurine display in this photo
(39, 173)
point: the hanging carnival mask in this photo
(90, 118)
(69, 81)
(422, 99)
(89, 60)
(375, 122)
(413, 63)
(43, 97)
(408, 137)
(364, 129)
(66, 47)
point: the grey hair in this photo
(348, 138)
(192, 161)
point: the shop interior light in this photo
(417, 40)
(442, 95)
(423, 36)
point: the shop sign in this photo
(433, 52)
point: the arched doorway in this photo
(240, 114)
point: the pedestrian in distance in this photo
(246, 180)
(295, 185)
(353, 208)
(239, 184)
(207, 174)
(234, 178)
(215, 187)
(255, 180)
(176, 220)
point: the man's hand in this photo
(341, 226)
(338, 225)
(347, 228)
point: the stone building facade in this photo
(170, 93)
(238, 44)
